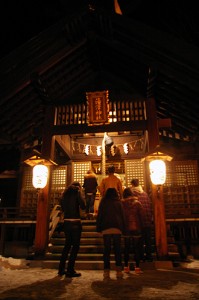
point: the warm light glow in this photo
(40, 176)
(99, 150)
(87, 149)
(113, 150)
(126, 148)
(157, 171)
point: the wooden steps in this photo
(90, 256)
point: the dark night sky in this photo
(20, 20)
(23, 19)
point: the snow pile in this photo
(13, 263)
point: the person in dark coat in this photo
(90, 188)
(111, 223)
(134, 222)
(71, 203)
(145, 200)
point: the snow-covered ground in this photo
(19, 281)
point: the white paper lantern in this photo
(40, 176)
(157, 171)
(87, 149)
(126, 148)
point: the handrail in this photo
(17, 213)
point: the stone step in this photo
(88, 265)
(83, 249)
(80, 256)
(84, 241)
(90, 256)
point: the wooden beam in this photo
(164, 123)
(110, 127)
(62, 146)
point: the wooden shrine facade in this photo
(66, 133)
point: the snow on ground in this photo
(19, 281)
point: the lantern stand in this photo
(40, 180)
(158, 176)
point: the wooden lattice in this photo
(134, 169)
(58, 179)
(79, 170)
(182, 173)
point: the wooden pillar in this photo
(157, 192)
(2, 238)
(43, 204)
(160, 222)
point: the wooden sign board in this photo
(97, 107)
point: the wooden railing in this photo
(182, 211)
(119, 111)
(14, 213)
(182, 202)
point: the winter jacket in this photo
(90, 183)
(111, 181)
(110, 215)
(146, 204)
(133, 211)
(71, 203)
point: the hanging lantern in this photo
(157, 171)
(87, 149)
(126, 148)
(113, 150)
(40, 176)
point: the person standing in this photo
(134, 222)
(147, 226)
(111, 223)
(90, 188)
(111, 181)
(71, 203)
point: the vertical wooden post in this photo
(160, 223)
(41, 233)
(158, 202)
(2, 238)
(43, 204)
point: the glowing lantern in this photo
(87, 149)
(40, 176)
(126, 148)
(113, 150)
(157, 171)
